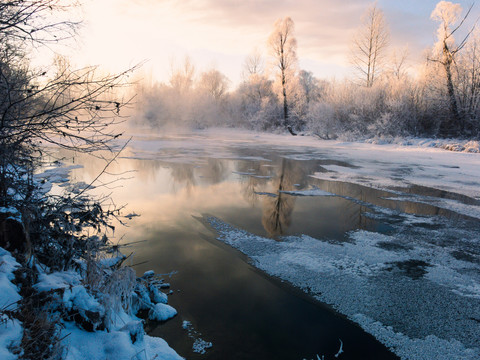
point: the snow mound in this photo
(161, 312)
(8, 291)
(114, 345)
(11, 333)
(11, 330)
(57, 280)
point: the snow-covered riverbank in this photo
(86, 312)
(80, 316)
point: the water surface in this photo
(245, 313)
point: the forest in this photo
(383, 97)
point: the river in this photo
(327, 282)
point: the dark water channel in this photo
(243, 312)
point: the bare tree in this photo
(445, 53)
(283, 48)
(369, 45)
(72, 108)
(69, 107)
(399, 63)
(253, 64)
(468, 83)
(181, 79)
(26, 20)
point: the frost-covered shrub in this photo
(384, 125)
(117, 290)
(321, 120)
(390, 108)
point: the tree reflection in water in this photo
(277, 210)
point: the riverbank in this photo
(84, 303)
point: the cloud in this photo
(323, 27)
(158, 29)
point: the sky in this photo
(117, 34)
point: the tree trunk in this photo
(286, 121)
(451, 124)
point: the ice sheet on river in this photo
(416, 289)
(383, 167)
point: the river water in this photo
(221, 297)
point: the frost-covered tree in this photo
(445, 53)
(283, 49)
(369, 46)
(399, 63)
(258, 103)
(309, 85)
(214, 83)
(182, 78)
(468, 84)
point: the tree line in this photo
(381, 98)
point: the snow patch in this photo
(57, 280)
(161, 312)
(11, 330)
(102, 345)
(8, 291)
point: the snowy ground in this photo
(415, 288)
(78, 344)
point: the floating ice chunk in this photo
(310, 192)
(186, 324)
(200, 346)
(339, 350)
